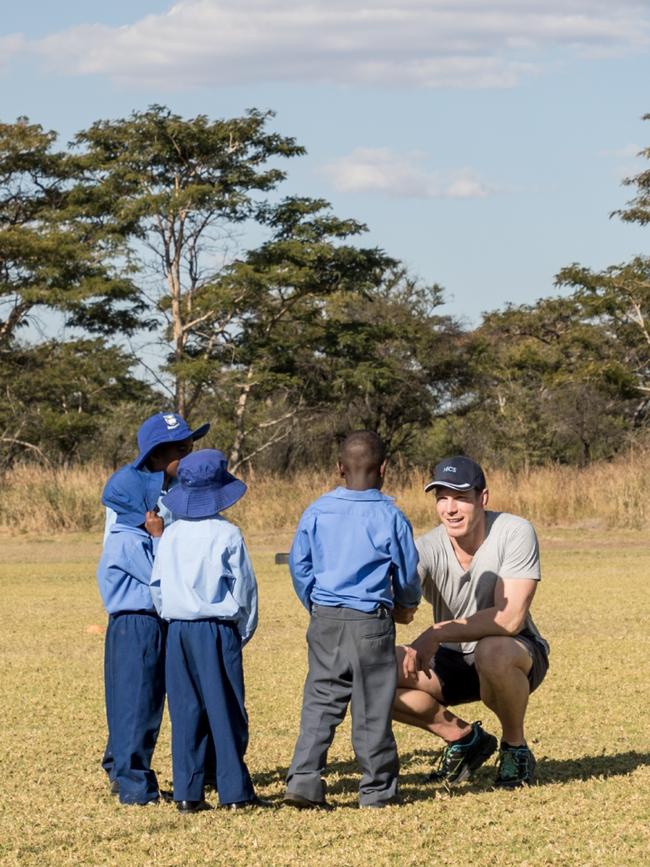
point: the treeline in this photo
(133, 236)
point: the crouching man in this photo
(479, 570)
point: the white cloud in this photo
(383, 171)
(427, 43)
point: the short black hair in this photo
(363, 447)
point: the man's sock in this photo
(465, 740)
(506, 746)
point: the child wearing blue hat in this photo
(135, 637)
(203, 584)
(163, 439)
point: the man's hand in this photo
(402, 614)
(153, 524)
(412, 662)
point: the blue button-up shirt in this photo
(124, 569)
(202, 569)
(355, 549)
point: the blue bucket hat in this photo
(205, 486)
(164, 427)
(130, 493)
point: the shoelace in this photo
(512, 764)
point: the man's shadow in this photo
(416, 787)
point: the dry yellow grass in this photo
(589, 725)
(603, 495)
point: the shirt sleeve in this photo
(140, 560)
(521, 553)
(244, 589)
(301, 563)
(426, 568)
(154, 584)
(406, 581)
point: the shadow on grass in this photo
(415, 786)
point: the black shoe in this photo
(255, 801)
(293, 799)
(378, 805)
(459, 761)
(192, 806)
(115, 787)
(516, 767)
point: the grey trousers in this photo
(351, 660)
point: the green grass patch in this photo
(589, 725)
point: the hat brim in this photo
(432, 485)
(197, 434)
(184, 502)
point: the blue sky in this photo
(482, 142)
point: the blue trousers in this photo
(205, 691)
(134, 680)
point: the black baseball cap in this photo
(458, 473)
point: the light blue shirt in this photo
(202, 569)
(124, 569)
(355, 549)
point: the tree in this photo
(173, 190)
(618, 298)
(74, 400)
(49, 258)
(551, 384)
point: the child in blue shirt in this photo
(203, 583)
(354, 567)
(134, 655)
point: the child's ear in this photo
(341, 469)
(382, 469)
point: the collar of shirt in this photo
(346, 494)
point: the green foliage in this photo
(49, 258)
(73, 400)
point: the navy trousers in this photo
(134, 679)
(205, 691)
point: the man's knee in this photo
(498, 655)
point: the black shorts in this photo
(459, 679)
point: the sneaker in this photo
(515, 767)
(459, 761)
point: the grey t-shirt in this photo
(510, 550)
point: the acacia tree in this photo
(49, 260)
(271, 354)
(173, 190)
(618, 298)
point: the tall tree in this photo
(173, 190)
(49, 258)
(618, 298)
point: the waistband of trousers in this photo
(340, 612)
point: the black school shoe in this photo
(255, 801)
(515, 767)
(293, 799)
(459, 761)
(192, 806)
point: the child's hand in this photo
(153, 524)
(402, 614)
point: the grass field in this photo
(589, 725)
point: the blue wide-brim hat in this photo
(205, 486)
(130, 493)
(164, 427)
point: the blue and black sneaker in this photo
(459, 760)
(515, 767)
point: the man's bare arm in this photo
(512, 599)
